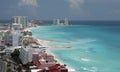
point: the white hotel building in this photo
(12, 37)
(26, 55)
(20, 20)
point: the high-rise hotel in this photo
(66, 22)
(57, 22)
(20, 20)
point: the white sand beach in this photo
(44, 43)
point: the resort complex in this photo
(59, 23)
(20, 52)
(59, 35)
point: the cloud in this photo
(28, 3)
(75, 4)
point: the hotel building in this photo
(20, 20)
(26, 55)
(66, 22)
(12, 37)
(58, 22)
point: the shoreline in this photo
(49, 48)
(46, 42)
(70, 69)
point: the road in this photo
(2, 66)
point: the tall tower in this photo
(20, 20)
(54, 21)
(66, 22)
(58, 21)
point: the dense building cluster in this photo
(27, 53)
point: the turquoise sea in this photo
(92, 48)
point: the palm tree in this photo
(27, 40)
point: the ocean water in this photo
(86, 48)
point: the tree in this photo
(15, 56)
(27, 40)
(29, 33)
(9, 70)
(24, 33)
(28, 64)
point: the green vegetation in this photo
(15, 56)
(28, 64)
(27, 39)
(30, 33)
(9, 70)
(8, 64)
(2, 48)
(8, 67)
(27, 33)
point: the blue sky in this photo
(72, 9)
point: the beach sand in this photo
(44, 43)
(28, 29)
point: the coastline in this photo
(44, 43)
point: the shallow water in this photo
(92, 48)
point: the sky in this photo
(60, 9)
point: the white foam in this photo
(85, 59)
(69, 68)
(91, 69)
(85, 40)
